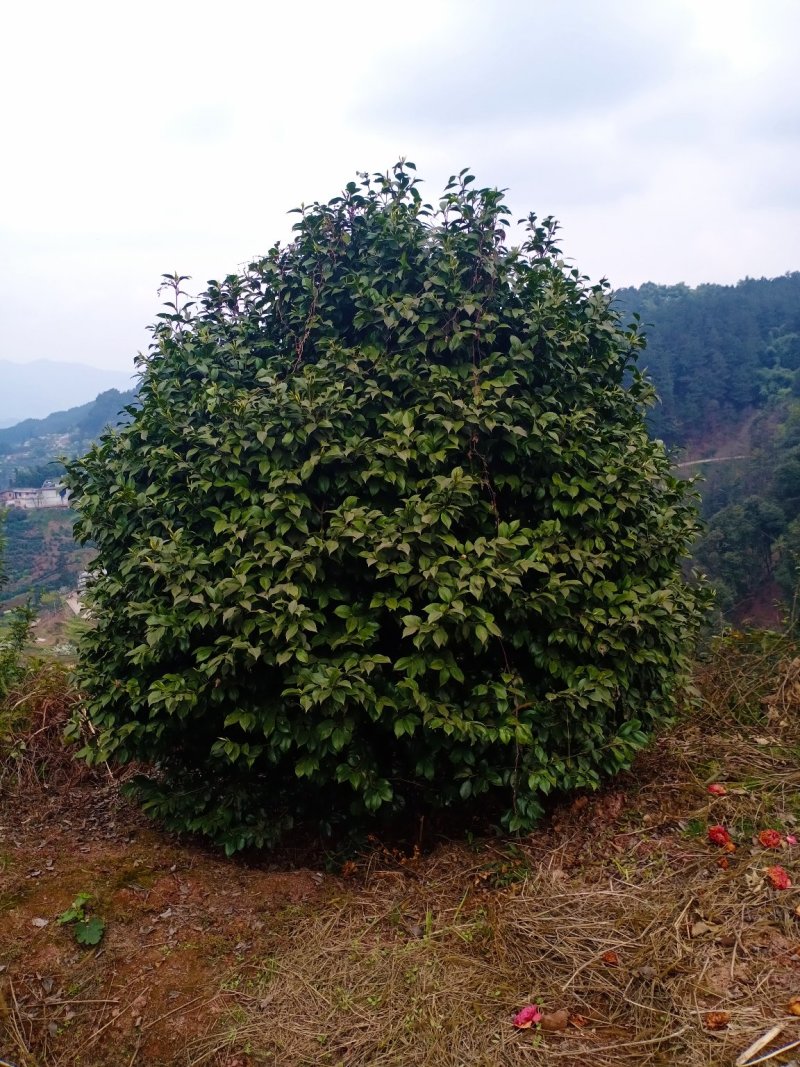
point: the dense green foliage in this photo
(387, 530)
(14, 634)
(37, 474)
(725, 361)
(717, 351)
(751, 545)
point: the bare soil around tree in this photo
(642, 938)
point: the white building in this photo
(47, 496)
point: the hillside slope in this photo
(41, 553)
(30, 451)
(717, 352)
(725, 361)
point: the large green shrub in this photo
(386, 529)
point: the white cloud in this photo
(153, 137)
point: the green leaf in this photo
(76, 910)
(89, 931)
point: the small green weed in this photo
(695, 828)
(88, 930)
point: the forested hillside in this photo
(29, 450)
(717, 352)
(725, 361)
(41, 553)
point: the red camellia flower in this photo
(717, 790)
(778, 878)
(718, 835)
(526, 1018)
(769, 839)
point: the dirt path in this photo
(715, 459)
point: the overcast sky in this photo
(147, 137)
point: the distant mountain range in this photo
(30, 451)
(34, 390)
(84, 422)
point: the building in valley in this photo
(49, 495)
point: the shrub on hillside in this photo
(15, 630)
(386, 529)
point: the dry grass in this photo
(618, 913)
(353, 986)
(33, 718)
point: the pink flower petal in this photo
(717, 790)
(526, 1018)
(791, 839)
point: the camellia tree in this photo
(385, 530)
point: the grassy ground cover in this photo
(641, 940)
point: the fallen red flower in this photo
(716, 1020)
(526, 1018)
(769, 839)
(717, 790)
(778, 878)
(718, 835)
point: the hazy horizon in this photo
(37, 388)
